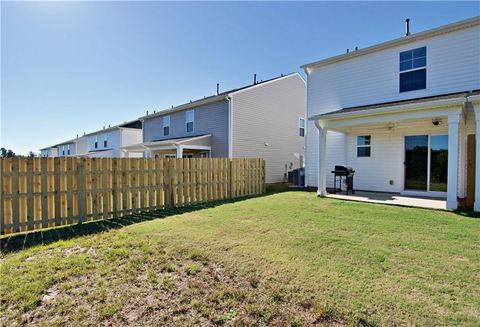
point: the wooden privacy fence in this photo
(44, 192)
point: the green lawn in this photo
(287, 258)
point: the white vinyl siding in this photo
(265, 124)
(374, 78)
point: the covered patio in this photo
(411, 153)
(192, 147)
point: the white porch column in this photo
(179, 152)
(452, 176)
(322, 161)
(476, 204)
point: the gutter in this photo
(390, 109)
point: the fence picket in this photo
(43, 192)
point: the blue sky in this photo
(72, 67)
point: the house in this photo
(104, 143)
(71, 148)
(50, 151)
(107, 142)
(265, 119)
(403, 114)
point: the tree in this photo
(32, 154)
(10, 153)
(4, 152)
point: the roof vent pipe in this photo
(407, 26)
(254, 79)
(147, 112)
(218, 88)
(348, 50)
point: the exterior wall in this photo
(453, 65)
(50, 152)
(113, 142)
(269, 114)
(387, 154)
(130, 136)
(209, 119)
(63, 147)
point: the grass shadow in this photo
(22, 241)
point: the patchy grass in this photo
(285, 259)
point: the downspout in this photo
(230, 126)
(307, 122)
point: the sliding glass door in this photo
(426, 162)
(416, 162)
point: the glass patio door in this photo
(416, 162)
(426, 163)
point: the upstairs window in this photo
(166, 126)
(68, 149)
(96, 142)
(63, 150)
(301, 127)
(189, 117)
(105, 141)
(413, 71)
(364, 145)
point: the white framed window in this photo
(189, 119)
(413, 69)
(187, 155)
(96, 142)
(204, 155)
(63, 150)
(364, 146)
(166, 125)
(68, 149)
(105, 141)
(301, 127)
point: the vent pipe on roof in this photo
(254, 79)
(147, 112)
(356, 48)
(103, 126)
(218, 88)
(108, 125)
(407, 26)
(348, 50)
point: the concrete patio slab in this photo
(395, 199)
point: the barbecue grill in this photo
(341, 172)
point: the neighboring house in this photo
(107, 142)
(48, 152)
(71, 148)
(104, 143)
(403, 114)
(265, 120)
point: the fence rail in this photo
(45, 192)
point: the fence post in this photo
(2, 199)
(81, 191)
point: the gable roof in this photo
(215, 98)
(135, 124)
(471, 22)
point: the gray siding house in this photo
(263, 120)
